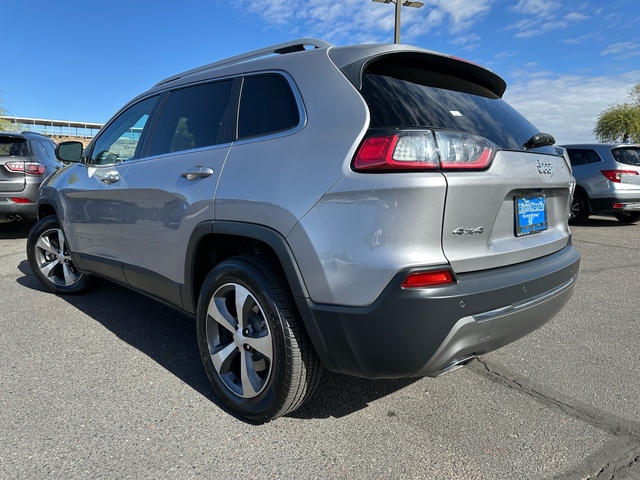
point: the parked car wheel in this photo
(627, 217)
(48, 255)
(253, 346)
(579, 209)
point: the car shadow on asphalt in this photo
(15, 230)
(169, 338)
(605, 221)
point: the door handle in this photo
(197, 172)
(110, 178)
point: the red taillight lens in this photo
(20, 200)
(31, 168)
(616, 175)
(428, 279)
(424, 150)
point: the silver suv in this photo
(608, 181)
(376, 210)
(25, 161)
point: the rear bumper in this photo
(427, 332)
(606, 205)
(11, 211)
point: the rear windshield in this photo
(14, 147)
(628, 156)
(405, 97)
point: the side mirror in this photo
(70, 152)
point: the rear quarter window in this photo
(582, 156)
(267, 106)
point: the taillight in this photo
(428, 279)
(31, 168)
(616, 175)
(423, 150)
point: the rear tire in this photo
(49, 258)
(627, 217)
(254, 348)
(579, 209)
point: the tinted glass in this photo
(267, 105)
(119, 141)
(420, 98)
(191, 118)
(627, 156)
(47, 148)
(14, 147)
(582, 156)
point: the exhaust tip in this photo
(457, 363)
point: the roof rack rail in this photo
(279, 49)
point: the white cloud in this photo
(353, 20)
(567, 106)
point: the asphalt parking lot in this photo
(110, 385)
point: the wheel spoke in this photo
(44, 243)
(219, 312)
(244, 304)
(262, 345)
(48, 268)
(251, 383)
(69, 276)
(222, 358)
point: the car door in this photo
(167, 193)
(92, 202)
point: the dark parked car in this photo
(376, 210)
(607, 181)
(26, 159)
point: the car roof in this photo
(352, 60)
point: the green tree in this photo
(620, 122)
(5, 125)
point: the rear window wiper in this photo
(539, 140)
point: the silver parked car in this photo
(607, 181)
(376, 210)
(25, 161)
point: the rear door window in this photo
(192, 117)
(267, 106)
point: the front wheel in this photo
(49, 258)
(254, 349)
(627, 217)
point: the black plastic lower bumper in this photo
(425, 332)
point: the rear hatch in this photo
(14, 152)
(508, 191)
(628, 156)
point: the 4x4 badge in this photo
(468, 231)
(545, 168)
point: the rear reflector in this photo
(20, 200)
(616, 175)
(428, 279)
(423, 150)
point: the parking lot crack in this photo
(612, 424)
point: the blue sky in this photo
(564, 60)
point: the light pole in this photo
(399, 3)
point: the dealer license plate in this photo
(531, 214)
